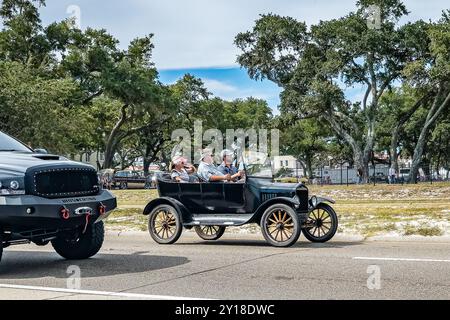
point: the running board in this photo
(219, 220)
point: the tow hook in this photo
(65, 213)
(87, 212)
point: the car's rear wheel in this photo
(84, 246)
(280, 225)
(325, 223)
(123, 185)
(210, 233)
(164, 224)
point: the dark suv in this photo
(47, 198)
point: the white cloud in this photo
(200, 33)
(219, 87)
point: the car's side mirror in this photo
(40, 151)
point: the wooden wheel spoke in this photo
(160, 229)
(273, 221)
(271, 232)
(276, 236)
(287, 236)
(289, 225)
(321, 212)
(315, 229)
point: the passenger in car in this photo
(181, 170)
(207, 171)
(227, 166)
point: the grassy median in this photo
(367, 210)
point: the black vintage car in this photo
(283, 210)
(47, 198)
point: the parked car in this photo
(379, 177)
(47, 198)
(404, 174)
(128, 179)
(283, 210)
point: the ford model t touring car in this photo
(46, 198)
(283, 210)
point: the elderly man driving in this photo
(227, 165)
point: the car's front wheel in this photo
(324, 223)
(210, 233)
(84, 246)
(164, 224)
(280, 225)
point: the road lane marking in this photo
(96, 293)
(400, 259)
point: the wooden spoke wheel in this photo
(280, 225)
(210, 232)
(322, 224)
(164, 224)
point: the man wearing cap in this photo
(227, 165)
(207, 171)
(180, 170)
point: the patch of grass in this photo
(128, 219)
(426, 231)
(375, 229)
(134, 197)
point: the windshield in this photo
(258, 165)
(10, 144)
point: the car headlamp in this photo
(314, 201)
(12, 186)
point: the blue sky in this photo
(196, 36)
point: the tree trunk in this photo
(111, 143)
(399, 126)
(309, 168)
(393, 149)
(360, 157)
(434, 112)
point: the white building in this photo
(93, 158)
(287, 162)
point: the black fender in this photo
(325, 200)
(319, 201)
(294, 203)
(181, 209)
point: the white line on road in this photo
(400, 259)
(97, 293)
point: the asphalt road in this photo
(132, 266)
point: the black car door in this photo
(212, 197)
(191, 197)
